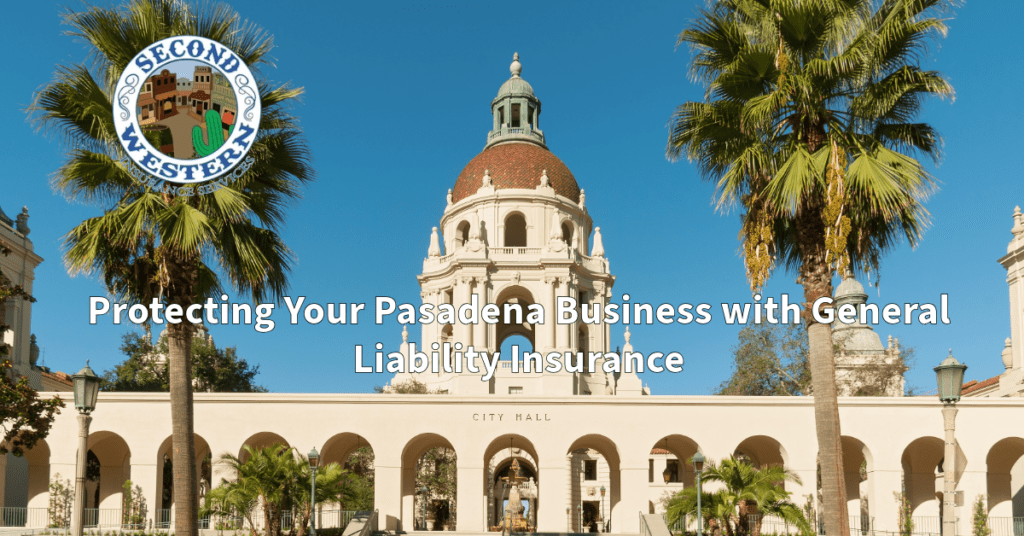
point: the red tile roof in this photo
(59, 377)
(975, 385)
(656, 450)
(515, 165)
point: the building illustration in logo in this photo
(173, 108)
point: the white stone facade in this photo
(555, 425)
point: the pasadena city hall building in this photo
(516, 229)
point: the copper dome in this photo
(515, 165)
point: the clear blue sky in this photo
(397, 102)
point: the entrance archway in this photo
(594, 464)
(498, 459)
(355, 454)
(672, 454)
(429, 461)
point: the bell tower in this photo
(515, 230)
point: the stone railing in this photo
(528, 132)
(516, 251)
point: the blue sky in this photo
(397, 102)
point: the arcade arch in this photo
(165, 471)
(515, 230)
(920, 464)
(258, 441)
(429, 458)
(595, 459)
(683, 448)
(354, 453)
(522, 297)
(762, 451)
(114, 459)
(858, 469)
(498, 458)
(34, 465)
(1005, 463)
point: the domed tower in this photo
(861, 358)
(515, 230)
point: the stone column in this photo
(470, 494)
(144, 476)
(480, 329)
(551, 497)
(561, 330)
(633, 497)
(546, 342)
(388, 497)
(463, 332)
(972, 483)
(78, 509)
(949, 472)
(597, 331)
(430, 333)
(885, 483)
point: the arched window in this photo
(461, 234)
(567, 232)
(515, 231)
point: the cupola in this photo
(516, 111)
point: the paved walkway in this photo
(181, 132)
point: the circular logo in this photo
(187, 110)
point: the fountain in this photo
(512, 518)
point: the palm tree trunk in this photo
(186, 491)
(816, 279)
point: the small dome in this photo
(857, 339)
(514, 86)
(850, 288)
(515, 165)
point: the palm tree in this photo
(744, 486)
(147, 244)
(809, 123)
(265, 476)
(334, 485)
(271, 478)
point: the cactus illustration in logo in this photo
(214, 133)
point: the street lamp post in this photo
(950, 376)
(86, 386)
(603, 522)
(423, 507)
(314, 462)
(698, 466)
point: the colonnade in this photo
(890, 445)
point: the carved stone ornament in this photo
(515, 277)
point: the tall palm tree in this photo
(809, 122)
(147, 244)
(743, 486)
